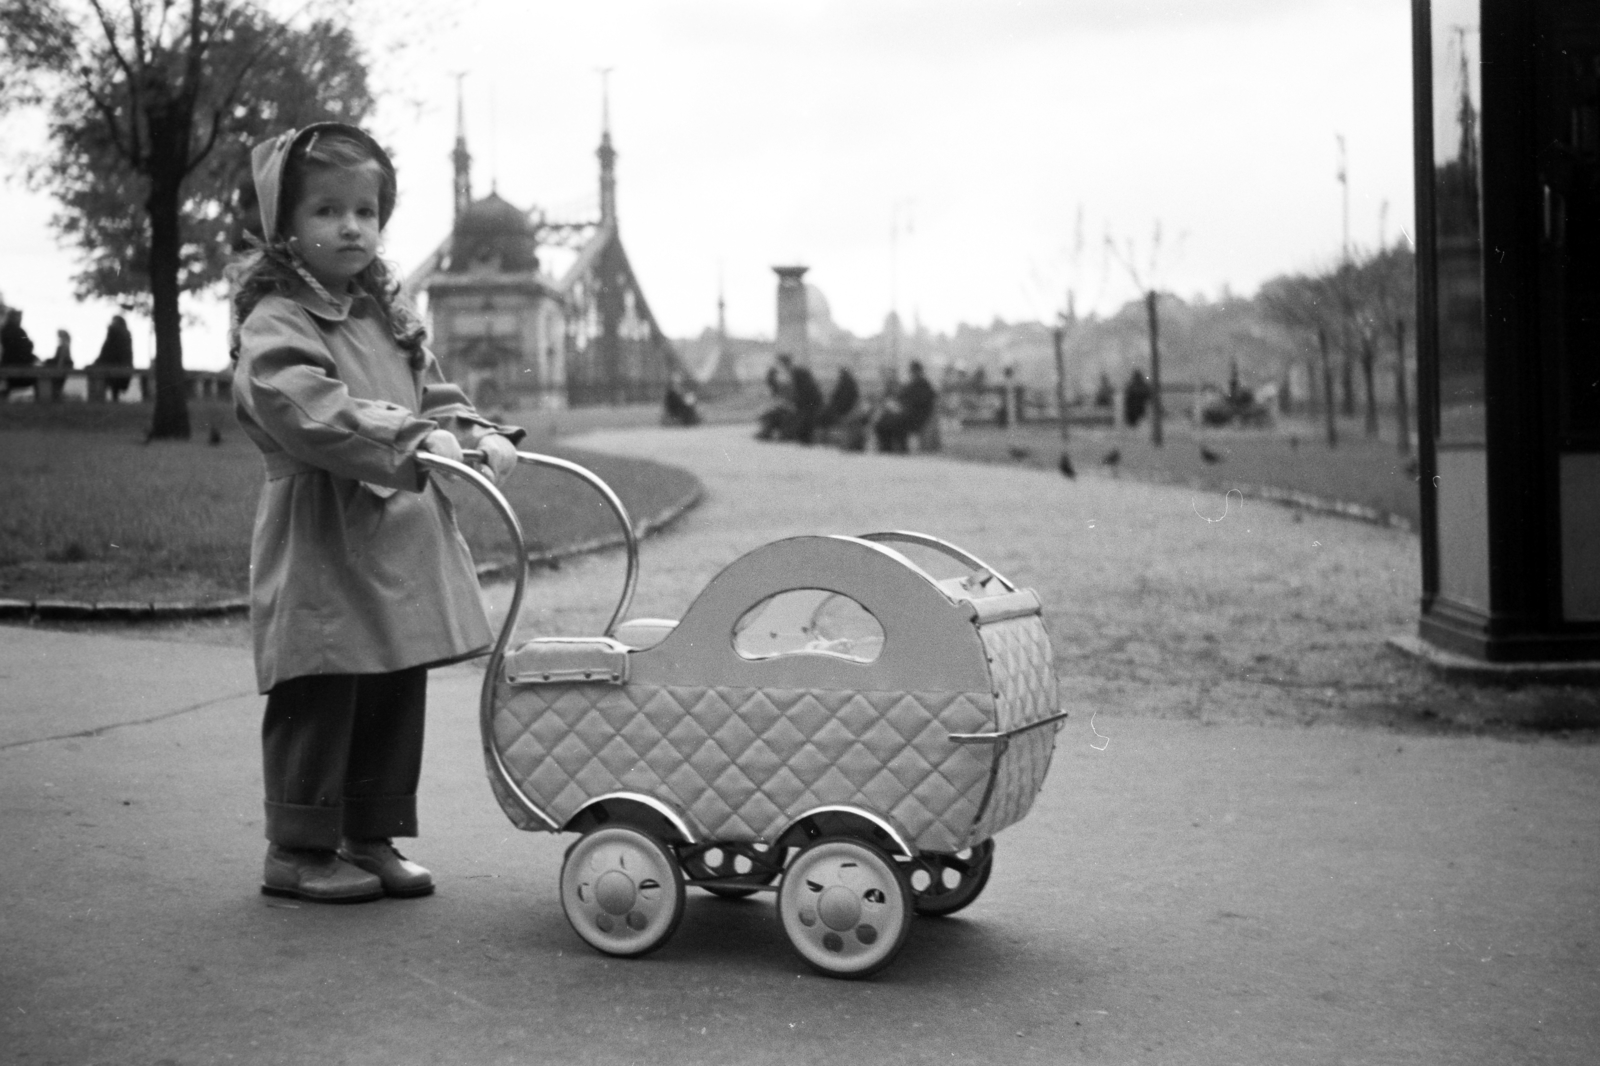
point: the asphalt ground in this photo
(1234, 860)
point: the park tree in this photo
(1311, 305)
(1384, 298)
(1366, 299)
(1145, 282)
(152, 108)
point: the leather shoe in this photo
(399, 875)
(316, 876)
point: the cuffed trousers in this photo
(342, 755)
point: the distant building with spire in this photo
(510, 332)
(719, 369)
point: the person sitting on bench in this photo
(841, 402)
(681, 406)
(16, 350)
(907, 413)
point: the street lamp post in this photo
(1155, 369)
(1059, 336)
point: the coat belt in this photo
(282, 464)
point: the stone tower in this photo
(793, 315)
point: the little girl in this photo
(359, 580)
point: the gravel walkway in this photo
(1161, 601)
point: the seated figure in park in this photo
(808, 402)
(117, 353)
(841, 401)
(16, 349)
(681, 406)
(774, 422)
(908, 412)
(1136, 398)
(62, 360)
(799, 399)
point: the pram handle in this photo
(514, 527)
(630, 538)
(507, 515)
(944, 547)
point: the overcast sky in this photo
(934, 155)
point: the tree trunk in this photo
(1329, 399)
(1347, 376)
(1155, 370)
(1367, 356)
(1401, 392)
(169, 140)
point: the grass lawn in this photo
(91, 512)
(1292, 455)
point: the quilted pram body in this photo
(937, 731)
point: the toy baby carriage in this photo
(828, 721)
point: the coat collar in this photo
(326, 306)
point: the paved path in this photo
(1205, 889)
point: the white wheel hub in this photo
(622, 891)
(845, 907)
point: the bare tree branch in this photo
(197, 49)
(108, 113)
(1126, 261)
(111, 35)
(161, 22)
(230, 97)
(133, 75)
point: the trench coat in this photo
(356, 564)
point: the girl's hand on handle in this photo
(500, 454)
(443, 443)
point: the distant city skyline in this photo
(936, 157)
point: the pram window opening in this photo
(814, 621)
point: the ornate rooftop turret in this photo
(496, 236)
(461, 159)
(607, 156)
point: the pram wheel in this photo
(952, 881)
(845, 906)
(622, 891)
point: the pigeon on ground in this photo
(1210, 456)
(1113, 457)
(1019, 453)
(1065, 465)
(216, 435)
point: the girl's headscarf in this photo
(269, 158)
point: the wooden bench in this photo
(201, 384)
